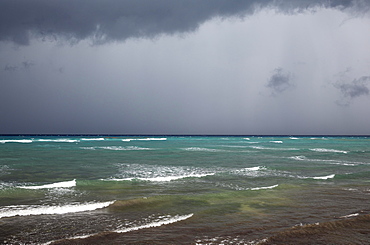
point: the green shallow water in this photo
(231, 190)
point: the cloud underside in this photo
(279, 81)
(356, 88)
(118, 20)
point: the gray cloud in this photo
(27, 64)
(280, 81)
(22, 66)
(356, 88)
(10, 68)
(118, 20)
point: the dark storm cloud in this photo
(356, 88)
(280, 81)
(10, 68)
(24, 65)
(27, 64)
(118, 20)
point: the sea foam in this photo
(276, 141)
(165, 221)
(328, 150)
(122, 148)
(162, 178)
(63, 184)
(263, 188)
(58, 140)
(325, 177)
(144, 139)
(93, 139)
(202, 149)
(16, 141)
(24, 210)
(159, 222)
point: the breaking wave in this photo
(328, 150)
(276, 141)
(16, 141)
(162, 220)
(162, 178)
(93, 139)
(127, 148)
(118, 148)
(58, 140)
(275, 149)
(263, 188)
(144, 139)
(325, 177)
(24, 210)
(329, 161)
(63, 184)
(202, 149)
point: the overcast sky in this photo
(185, 67)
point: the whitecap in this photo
(124, 148)
(93, 139)
(148, 139)
(16, 141)
(201, 149)
(162, 178)
(325, 177)
(334, 162)
(274, 149)
(293, 138)
(252, 171)
(349, 216)
(144, 139)
(58, 140)
(63, 184)
(328, 150)
(164, 220)
(25, 210)
(88, 148)
(276, 141)
(263, 188)
(254, 168)
(299, 158)
(260, 148)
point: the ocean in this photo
(184, 190)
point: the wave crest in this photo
(63, 184)
(16, 141)
(328, 150)
(24, 210)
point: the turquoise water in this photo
(172, 189)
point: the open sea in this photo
(184, 190)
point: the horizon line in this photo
(198, 135)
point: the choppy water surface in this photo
(180, 190)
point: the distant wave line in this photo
(160, 178)
(328, 150)
(331, 176)
(58, 140)
(118, 148)
(203, 149)
(16, 141)
(63, 184)
(144, 139)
